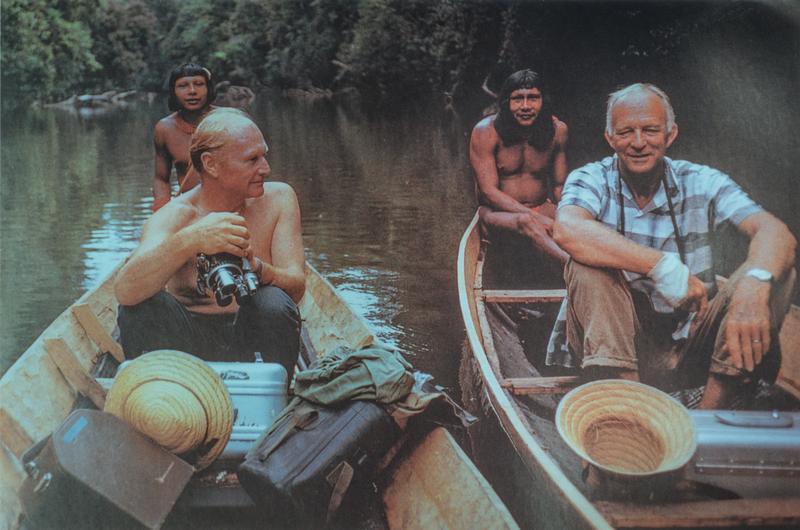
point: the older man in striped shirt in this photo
(642, 302)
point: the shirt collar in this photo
(660, 198)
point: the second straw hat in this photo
(626, 428)
(177, 400)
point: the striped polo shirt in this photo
(702, 197)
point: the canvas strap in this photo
(340, 478)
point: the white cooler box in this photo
(258, 392)
(753, 454)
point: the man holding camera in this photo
(233, 219)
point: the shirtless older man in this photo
(232, 211)
(519, 160)
(190, 95)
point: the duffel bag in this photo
(301, 470)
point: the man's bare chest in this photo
(522, 160)
(184, 282)
(178, 144)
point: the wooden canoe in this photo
(515, 393)
(432, 485)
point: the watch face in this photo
(760, 274)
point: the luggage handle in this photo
(343, 475)
(774, 420)
(297, 422)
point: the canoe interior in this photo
(41, 388)
(508, 323)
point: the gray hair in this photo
(637, 88)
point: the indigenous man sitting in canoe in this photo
(190, 95)
(642, 301)
(232, 211)
(519, 160)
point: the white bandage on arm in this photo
(671, 278)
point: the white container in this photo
(258, 392)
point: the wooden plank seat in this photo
(522, 386)
(508, 296)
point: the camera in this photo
(227, 276)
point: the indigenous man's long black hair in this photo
(540, 134)
(189, 70)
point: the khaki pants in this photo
(611, 325)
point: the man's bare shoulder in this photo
(484, 130)
(279, 194)
(166, 124)
(174, 215)
(485, 124)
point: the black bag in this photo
(299, 472)
(96, 471)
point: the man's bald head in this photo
(638, 91)
(218, 128)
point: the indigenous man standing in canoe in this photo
(232, 211)
(190, 95)
(642, 300)
(519, 160)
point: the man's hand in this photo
(696, 298)
(747, 336)
(542, 220)
(221, 232)
(671, 279)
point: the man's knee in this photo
(153, 308)
(157, 322)
(610, 370)
(577, 274)
(273, 305)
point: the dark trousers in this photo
(269, 323)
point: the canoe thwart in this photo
(14, 437)
(73, 372)
(521, 386)
(95, 330)
(524, 296)
(738, 512)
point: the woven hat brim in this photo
(194, 375)
(646, 432)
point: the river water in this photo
(383, 202)
(384, 197)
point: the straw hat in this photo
(626, 428)
(177, 400)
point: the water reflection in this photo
(384, 196)
(117, 237)
(383, 203)
(71, 207)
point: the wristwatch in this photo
(760, 274)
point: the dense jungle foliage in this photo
(52, 49)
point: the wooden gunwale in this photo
(570, 509)
(501, 392)
(35, 396)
